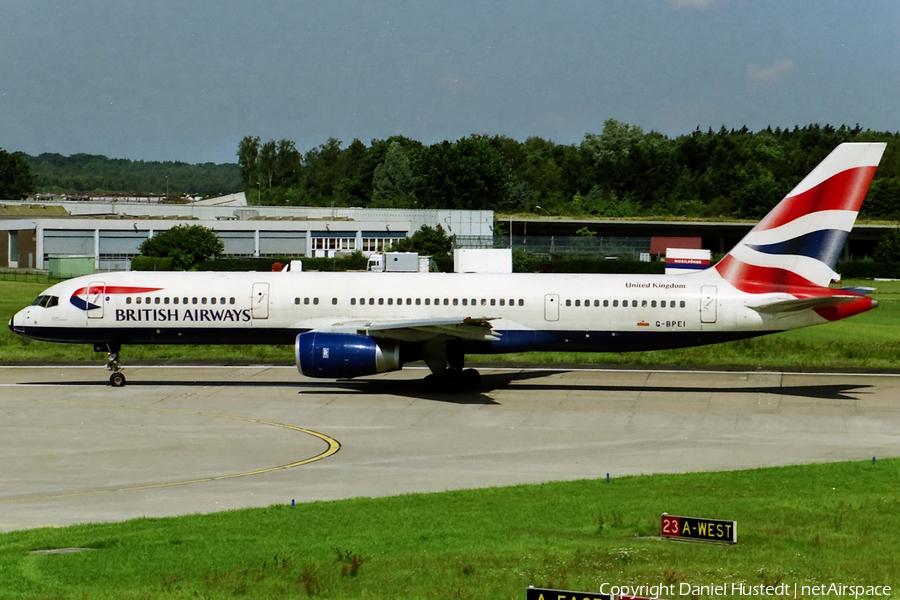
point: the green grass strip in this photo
(804, 525)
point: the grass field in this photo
(867, 341)
(806, 525)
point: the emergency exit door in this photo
(708, 304)
(259, 307)
(551, 307)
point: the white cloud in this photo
(757, 75)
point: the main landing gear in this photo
(447, 368)
(117, 378)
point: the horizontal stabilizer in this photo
(862, 291)
(799, 304)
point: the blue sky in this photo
(178, 80)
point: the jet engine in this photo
(339, 355)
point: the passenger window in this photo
(296, 300)
(166, 300)
(662, 303)
(615, 303)
(653, 304)
(175, 300)
(493, 302)
(465, 302)
(522, 302)
(230, 301)
(390, 301)
(306, 301)
(605, 303)
(682, 304)
(427, 301)
(643, 304)
(380, 301)
(147, 300)
(137, 300)
(221, 300)
(568, 302)
(334, 300)
(484, 301)
(512, 302)
(596, 303)
(212, 300)
(371, 301)
(202, 300)
(446, 302)
(456, 302)
(315, 300)
(352, 301)
(419, 301)
(128, 300)
(408, 301)
(193, 301)
(503, 302)
(578, 303)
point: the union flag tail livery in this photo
(799, 242)
(359, 324)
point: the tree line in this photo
(92, 173)
(620, 172)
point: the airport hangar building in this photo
(111, 232)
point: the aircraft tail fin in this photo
(799, 242)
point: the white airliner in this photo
(353, 324)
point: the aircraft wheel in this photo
(117, 380)
(470, 377)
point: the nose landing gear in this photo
(117, 378)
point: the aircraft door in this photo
(259, 302)
(708, 304)
(96, 299)
(551, 307)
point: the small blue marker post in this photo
(607, 478)
(292, 502)
(873, 460)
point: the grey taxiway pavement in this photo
(180, 440)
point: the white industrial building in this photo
(111, 232)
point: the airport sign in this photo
(694, 528)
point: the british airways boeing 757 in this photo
(354, 324)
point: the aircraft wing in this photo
(420, 330)
(798, 304)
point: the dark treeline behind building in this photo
(621, 172)
(92, 173)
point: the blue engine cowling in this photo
(337, 355)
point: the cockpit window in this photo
(45, 301)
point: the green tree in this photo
(188, 245)
(393, 183)
(16, 179)
(248, 159)
(468, 174)
(266, 165)
(888, 248)
(427, 241)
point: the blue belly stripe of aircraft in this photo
(510, 341)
